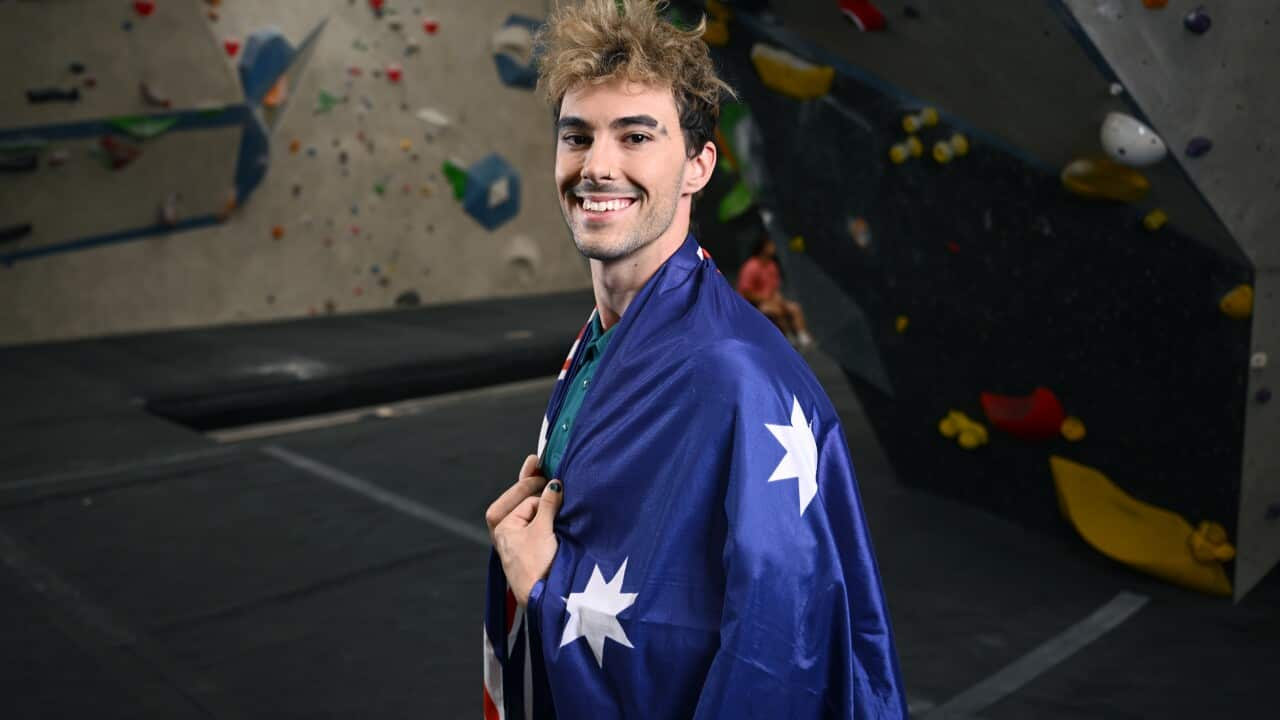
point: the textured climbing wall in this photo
(938, 281)
(355, 212)
(1211, 84)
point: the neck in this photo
(617, 282)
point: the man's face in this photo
(620, 166)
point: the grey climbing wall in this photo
(1220, 84)
(355, 212)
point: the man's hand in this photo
(520, 525)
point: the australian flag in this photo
(713, 557)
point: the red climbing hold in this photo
(231, 46)
(376, 4)
(862, 13)
(1037, 416)
(430, 26)
(144, 7)
(394, 72)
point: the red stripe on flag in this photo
(490, 710)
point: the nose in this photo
(598, 165)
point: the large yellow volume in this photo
(1142, 536)
(789, 75)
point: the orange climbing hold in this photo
(278, 94)
(277, 232)
(1237, 304)
(1072, 429)
(1037, 416)
(1100, 177)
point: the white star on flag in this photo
(593, 613)
(801, 460)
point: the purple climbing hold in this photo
(1198, 146)
(1263, 395)
(1197, 21)
(1273, 511)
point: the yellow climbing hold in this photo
(785, 73)
(1072, 428)
(942, 153)
(901, 323)
(967, 432)
(929, 116)
(915, 146)
(960, 144)
(406, 144)
(717, 33)
(1142, 536)
(899, 153)
(1237, 304)
(796, 244)
(718, 10)
(1101, 177)
(1155, 220)
(1209, 543)
(912, 123)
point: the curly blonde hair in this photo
(595, 41)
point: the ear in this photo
(698, 169)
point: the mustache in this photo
(589, 187)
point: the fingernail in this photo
(555, 486)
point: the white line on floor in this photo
(1050, 653)
(415, 406)
(392, 500)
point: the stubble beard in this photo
(653, 221)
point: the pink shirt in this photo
(759, 277)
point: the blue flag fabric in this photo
(713, 557)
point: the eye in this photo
(637, 138)
(576, 140)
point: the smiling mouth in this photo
(597, 208)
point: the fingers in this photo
(528, 484)
(548, 505)
(526, 510)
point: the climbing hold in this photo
(959, 144)
(911, 123)
(1154, 4)
(1116, 89)
(144, 127)
(911, 12)
(118, 153)
(430, 27)
(1072, 428)
(492, 195)
(942, 153)
(144, 7)
(1145, 537)
(1238, 303)
(406, 144)
(278, 94)
(1209, 543)
(927, 117)
(394, 72)
(431, 116)
(899, 153)
(1197, 21)
(1263, 396)
(58, 158)
(232, 46)
(169, 209)
(967, 432)
(1127, 140)
(513, 52)
(796, 244)
(785, 73)
(1198, 146)
(716, 33)
(38, 96)
(860, 230)
(379, 188)
(1155, 220)
(719, 10)
(901, 323)
(737, 201)
(915, 147)
(1258, 360)
(1037, 416)
(10, 233)
(76, 68)
(325, 102)
(953, 247)
(1100, 177)
(457, 178)
(866, 16)
(295, 146)
(277, 232)
(152, 97)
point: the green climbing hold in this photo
(736, 202)
(326, 100)
(457, 178)
(379, 188)
(141, 127)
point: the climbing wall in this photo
(314, 157)
(1037, 321)
(1195, 69)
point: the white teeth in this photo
(605, 206)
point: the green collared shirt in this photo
(576, 392)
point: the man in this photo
(760, 282)
(699, 550)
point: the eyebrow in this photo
(572, 121)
